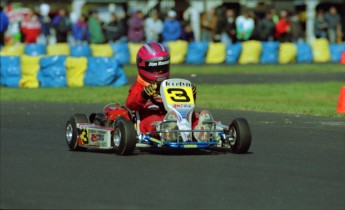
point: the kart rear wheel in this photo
(124, 138)
(72, 131)
(239, 136)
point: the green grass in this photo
(300, 98)
(244, 69)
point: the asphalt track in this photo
(295, 162)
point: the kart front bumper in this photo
(190, 145)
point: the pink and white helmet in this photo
(153, 62)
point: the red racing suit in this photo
(148, 112)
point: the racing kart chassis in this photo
(118, 128)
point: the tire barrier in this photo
(304, 53)
(58, 49)
(52, 71)
(13, 50)
(59, 65)
(195, 52)
(336, 50)
(287, 53)
(215, 53)
(76, 68)
(321, 51)
(103, 71)
(81, 50)
(35, 49)
(133, 49)
(233, 52)
(178, 51)
(101, 50)
(251, 51)
(10, 71)
(60, 71)
(30, 65)
(121, 52)
(269, 53)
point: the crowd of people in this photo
(217, 25)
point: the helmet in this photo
(153, 62)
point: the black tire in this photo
(124, 137)
(72, 131)
(240, 131)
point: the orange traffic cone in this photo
(342, 59)
(341, 103)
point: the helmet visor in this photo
(160, 67)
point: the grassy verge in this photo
(298, 98)
(246, 69)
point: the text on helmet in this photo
(159, 63)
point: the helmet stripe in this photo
(149, 49)
(163, 48)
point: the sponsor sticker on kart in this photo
(94, 136)
(178, 93)
(83, 136)
(97, 135)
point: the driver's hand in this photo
(150, 91)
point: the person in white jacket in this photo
(153, 27)
(244, 26)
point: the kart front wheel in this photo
(239, 136)
(72, 132)
(124, 138)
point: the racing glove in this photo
(149, 91)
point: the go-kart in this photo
(118, 128)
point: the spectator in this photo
(265, 28)
(275, 17)
(4, 22)
(95, 29)
(209, 22)
(333, 23)
(136, 27)
(226, 27)
(62, 25)
(245, 26)
(30, 27)
(187, 33)
(296, 29)
(283, 28)
(320, 25)
(45, 22)
(80, 30)
(115, 30)
(171, 28)
(153, 27)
